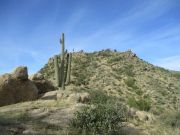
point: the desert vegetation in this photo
(109, 92)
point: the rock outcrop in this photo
(41, 83)
(79, 97)
(16, 87)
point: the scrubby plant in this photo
(172, 119)
(100, 119)
(176, 75)
(104, 115)
(141, 104)
(105, 53)
(130, 82)
(99, 97)
(115, 59)
(126, 70)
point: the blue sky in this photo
(30, 30)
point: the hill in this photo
(125, 76)
(149, 94)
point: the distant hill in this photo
(124, 75)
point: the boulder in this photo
(20, 73)
(132, 112)
(144, 116)
(74, 97)
(41, 83)
(52, 95)
(16, 87)
(79, 97)
(84, 97)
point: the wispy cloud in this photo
(20, 56)
(123, 30)
(132, 28)
(172, 63)
(74, 19)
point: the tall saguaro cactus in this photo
(62, 66)
(56, 66)
(62, 61)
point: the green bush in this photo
(130, 82)
(99, 97)
(115, 59)
(176, 75)
(141, 104)
(138, 91)
(127, 70)
(100, 119)
(172, 119)
(104, 115)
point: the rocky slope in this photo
(125, 76)
(151, 95)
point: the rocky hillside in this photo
(124, 75)
(109, 91)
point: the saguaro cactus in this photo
(62, 62)
(66, 67)
(56, 68)
(69, 69)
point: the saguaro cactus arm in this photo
(66, 67)
(69, 69)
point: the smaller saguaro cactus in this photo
(68, 80)
(56, 68)
(66, 67)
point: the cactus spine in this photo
(56, 66)
(62, 62)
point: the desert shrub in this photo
(157, 110)
(81, 79)
(163, 92)
(105, 53)
(8, 119)
(130, 82)
(172, 119)
(138, 91)
(99, 97)
(141, 104)
(104, 115)
(115, 59)
(80, 71)
(127, 70)
(100, 119)
(176, 75)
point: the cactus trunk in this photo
(67, 65)
(56, 67)
(69, 69)
(62, 62)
